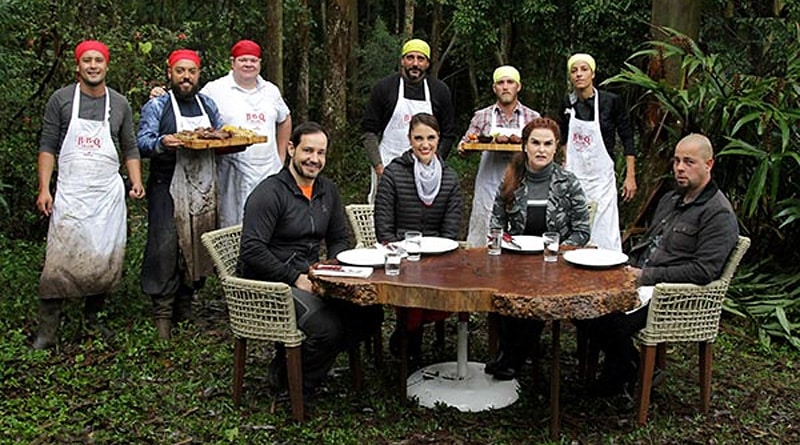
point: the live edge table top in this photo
(470, 280)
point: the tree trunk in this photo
(408, 19)
(680, 15)
(337, 44)
(304, 39)
(655, 157)
(274, 42)
(353, 109)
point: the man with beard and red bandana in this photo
(398, 97)
(181, 192)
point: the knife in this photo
(510, 240)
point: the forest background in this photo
(729, 69)
(731, 73)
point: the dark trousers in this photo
(161, 271)
(613, 333)
(519, 338)
(162, 266)
(330, 326)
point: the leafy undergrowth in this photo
(134, 389)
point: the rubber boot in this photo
(95, 327)
(49, 316)
(163, 328)
(162, 315)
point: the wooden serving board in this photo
(491, 147)
(235, 141)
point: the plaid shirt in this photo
(481, 122)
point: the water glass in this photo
(495, 241)
(413, 245)
(392, 262)
(551, 241)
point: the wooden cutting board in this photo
(491, 147)
(235, 141)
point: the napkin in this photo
(343, 271)
(645, 295)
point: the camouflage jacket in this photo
(567, 211)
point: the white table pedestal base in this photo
(477, 391)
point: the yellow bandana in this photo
(417, 45)
(506, 71)
(580, 58)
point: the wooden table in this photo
(469, 280)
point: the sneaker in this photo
(622, 402)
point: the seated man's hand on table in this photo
(303, 283)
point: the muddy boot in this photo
(94, 323)
(49, 315)
(162, 314)
(163, 328)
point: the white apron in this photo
(487, 182)
(588, 159)
(194, 195)
(394, 141)
(87, 233)
(239, 173)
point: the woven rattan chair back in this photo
(592, 206)
(681, 312)
(362, 223)
(257, 310)
(223, 247)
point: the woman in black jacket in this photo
(417, 191)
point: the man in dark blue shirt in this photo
(181, 192)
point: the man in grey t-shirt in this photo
(84, 126)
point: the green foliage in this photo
(378, 57)
(753, 118)
(770, 300)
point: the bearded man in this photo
(181, 192)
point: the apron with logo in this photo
(87, 233)
(194, 194)
(588, 159)
(394, 141)
(239, 173)
(487, 182)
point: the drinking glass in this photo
(495, 241)
(392, 264)
(413, 245)
(551, 241)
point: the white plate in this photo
(433, 244)
(527, 244)
(595, 257)
(361, 257)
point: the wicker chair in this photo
(362, 223)
(257, 310)
(682, 312)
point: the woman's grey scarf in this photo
(428, 179)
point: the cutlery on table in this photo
(510, 240)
